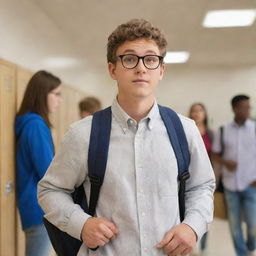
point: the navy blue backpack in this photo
(66, 245)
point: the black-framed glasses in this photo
(130, 61)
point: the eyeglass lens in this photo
(131, 61)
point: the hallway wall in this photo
(183, 85)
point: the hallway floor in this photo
(219, 239)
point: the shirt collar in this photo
(246, 123)
(123, 118)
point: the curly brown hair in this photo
(132, 30)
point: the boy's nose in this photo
(140, 67)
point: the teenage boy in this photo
(137, 211)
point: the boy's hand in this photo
(180, 240)
(98, 232)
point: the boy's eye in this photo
(150, 59)
(130, 59)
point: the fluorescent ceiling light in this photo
(59, 62)
(229, 18)
(176, 57)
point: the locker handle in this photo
(8, 187)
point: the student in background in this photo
(198, 113)
(34, 152)
(88, 106)
(237, 155)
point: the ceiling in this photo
(33, 30)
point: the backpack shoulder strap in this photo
(98, 153)
(99, 144)
(63, 243)
(180, 146)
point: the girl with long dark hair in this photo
(34, 152)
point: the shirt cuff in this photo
(76, 223)
(197, 223)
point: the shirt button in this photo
(131, 122)
(145, 249)
(141, 191)
(143, 214)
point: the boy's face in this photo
(139, 82)
(242, 109)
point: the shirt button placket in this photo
(140, 191)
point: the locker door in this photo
(23, 77)
(7, 159)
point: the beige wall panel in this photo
(67, 113)
(7, 160)
(55, 121)
(73, 97)
(22, 76)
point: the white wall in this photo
(28, 36)
(183, 86)
(213, 86)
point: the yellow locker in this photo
(22, 78)
(7, 160)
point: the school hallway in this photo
(200, 62)
(219, 240)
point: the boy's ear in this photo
(162, 69)
(112, 70)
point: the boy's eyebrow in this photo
(133, 51)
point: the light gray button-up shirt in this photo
(140, 189)
(240, 147)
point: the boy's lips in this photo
(139, 81)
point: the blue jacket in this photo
(34, 152)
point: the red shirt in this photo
(207, 142)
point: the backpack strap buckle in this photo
(184, 176)
(95, 180)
